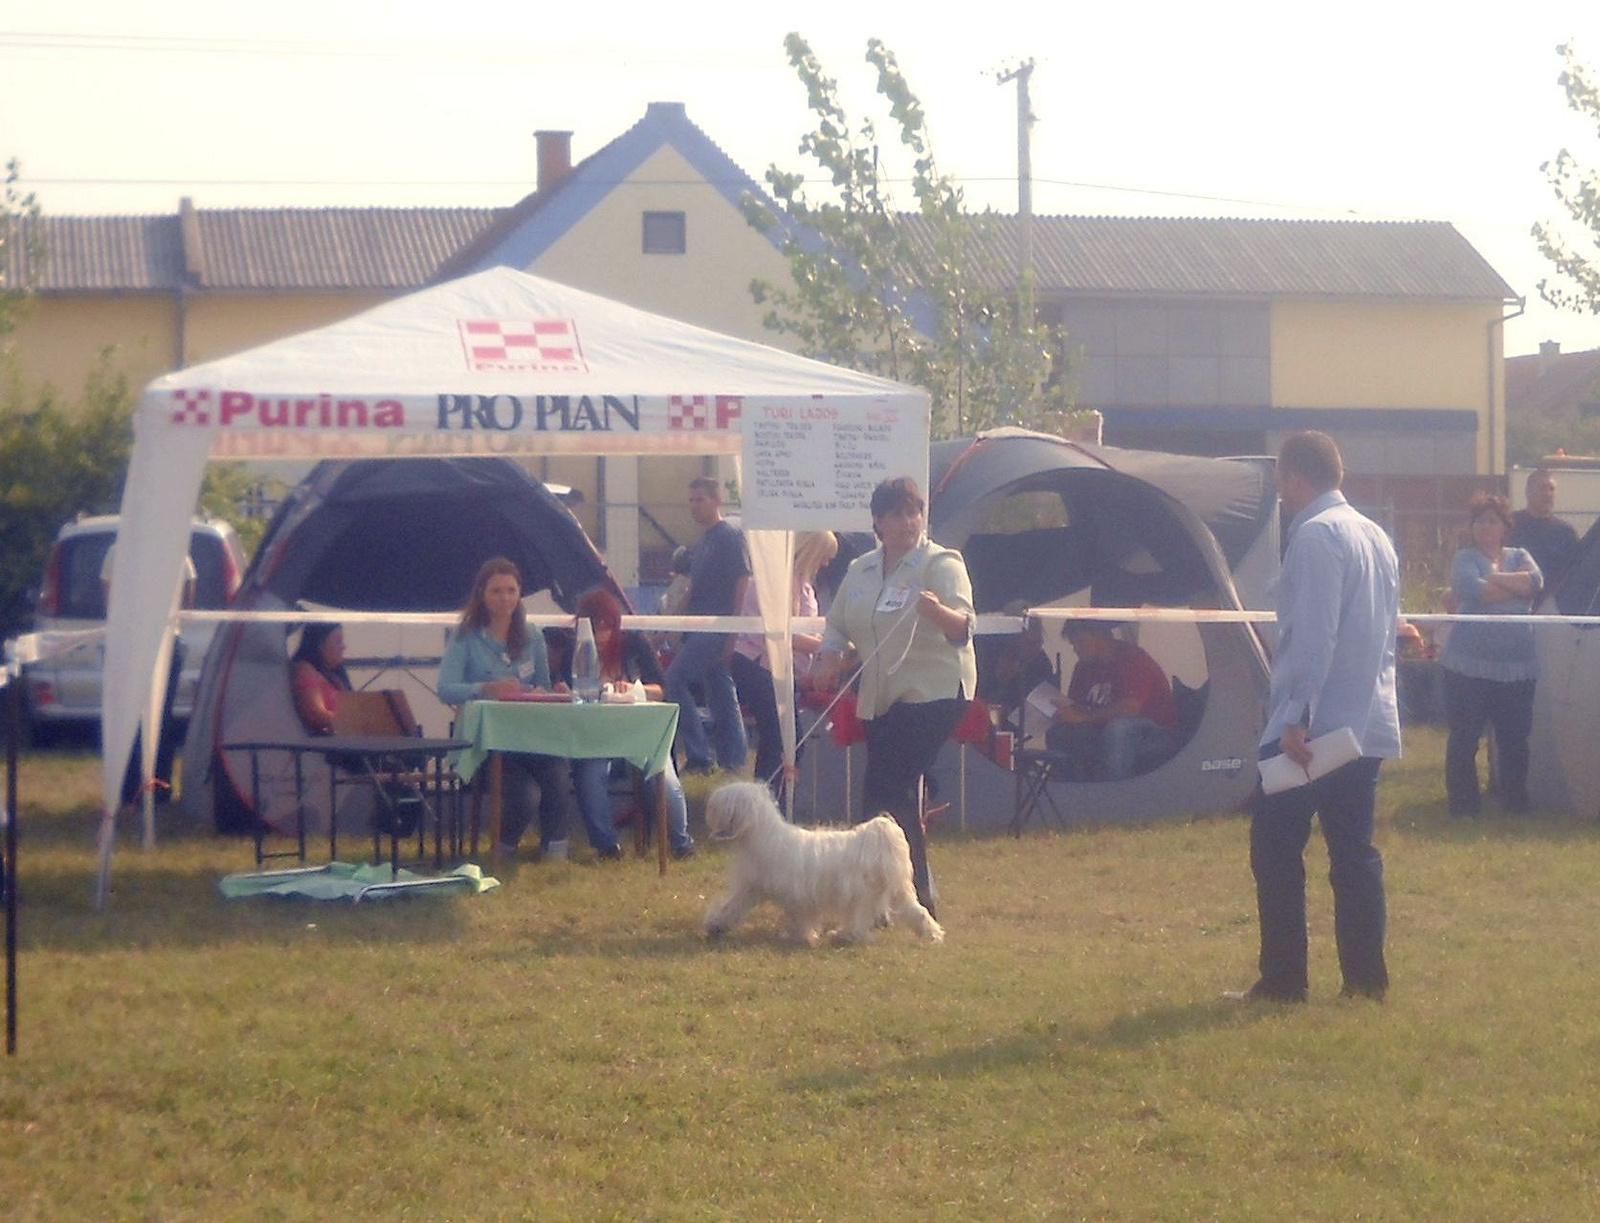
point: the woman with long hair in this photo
(494, 655)
(1490, 669)
(317, 676)
(906, 607)
(625, 659)
(751, 674)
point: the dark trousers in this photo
(1280, 826)
(530, 779)
(902, 743)
(1471, 705)
(759, 696)
(166, 742)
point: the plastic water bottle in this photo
(586, 663)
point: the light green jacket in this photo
(907, 657)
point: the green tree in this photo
(56, 460)
(914, 298)
(1577, 187)
(19, 252)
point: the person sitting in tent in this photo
(1117, 718)
(493, 654)
(317, 676)
(625, 659)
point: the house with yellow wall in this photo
(1189, 334)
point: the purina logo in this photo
(193, 408)
(241, 408)
(703, 412)
(522, 345)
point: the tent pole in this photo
(8, 861)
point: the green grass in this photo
(569, 1046)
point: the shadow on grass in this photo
(1038, 1043)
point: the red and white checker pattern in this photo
(546, 344)
(703, 411)
(191, 407)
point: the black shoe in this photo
(614, 854)
(684, 851)
(1261, 992)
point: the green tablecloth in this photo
(641, 734)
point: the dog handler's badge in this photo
(893, 598)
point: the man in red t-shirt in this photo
(1117, 718)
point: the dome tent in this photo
(1045, 522)
(366, 535)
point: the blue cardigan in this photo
(1504, 652)
(474, 659)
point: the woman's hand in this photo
(501, 689)
(950, 621)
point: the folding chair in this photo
(1034, 766)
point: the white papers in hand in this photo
(1328, 752)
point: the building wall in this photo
(708, 284)
(220, 324)
(148, 334)
(1346, 354)
(61, 337)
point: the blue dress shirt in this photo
(1338, 606)
(1504, 652)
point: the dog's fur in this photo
(838, 881)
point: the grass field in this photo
(570, 1047)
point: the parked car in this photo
(64, 692)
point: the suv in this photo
(64, 691)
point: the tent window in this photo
(1027, 511)
(665, 233)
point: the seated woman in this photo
(317, 676)
(625, 659)
(491, 655)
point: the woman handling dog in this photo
(906, 607)
(493, 655)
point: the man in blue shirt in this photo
(1338, 605)
(717, 579)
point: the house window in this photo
(664, 233)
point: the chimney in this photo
(555, 159)
(1549, 349)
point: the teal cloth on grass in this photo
(347, 881)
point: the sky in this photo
(1405, 110)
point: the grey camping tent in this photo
(383, 535)
(1042, 522)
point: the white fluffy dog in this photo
(842, 881)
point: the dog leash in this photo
(845, 685)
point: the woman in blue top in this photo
(493, 655)
(1490, 669)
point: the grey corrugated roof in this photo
(274, 249)
(286, 249)
(1198, 255)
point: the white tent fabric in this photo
(497, 363)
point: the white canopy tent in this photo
(498, 362)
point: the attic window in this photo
(664, 233)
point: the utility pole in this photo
(1021, 74)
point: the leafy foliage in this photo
(55, 461)
(870, 292)
(1577, 187)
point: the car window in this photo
(210, 570)
(79, 563)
